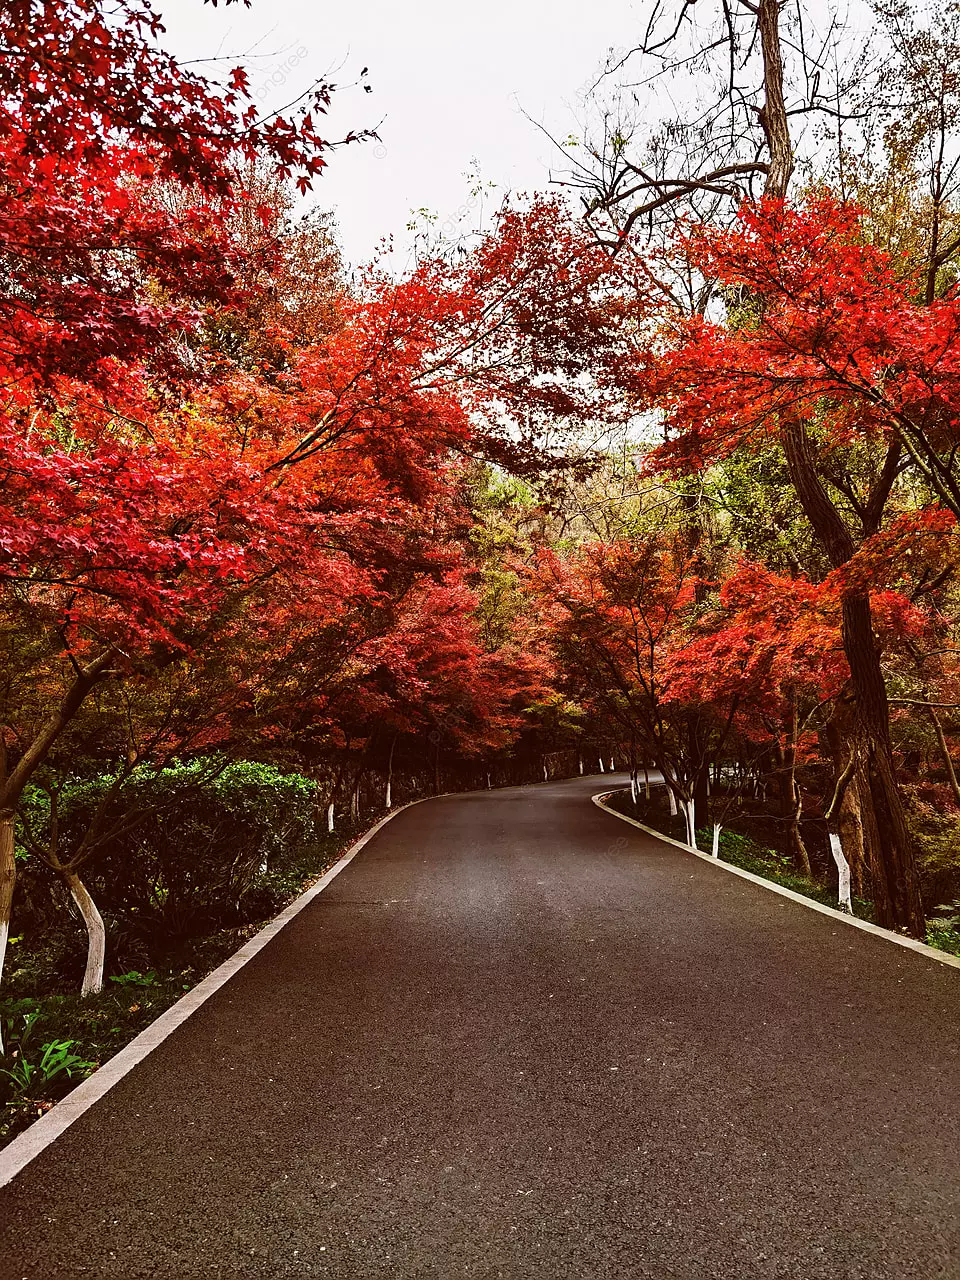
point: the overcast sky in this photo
(450, 86)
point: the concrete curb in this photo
(49, 1127)
(911, 944)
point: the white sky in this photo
(450, 85)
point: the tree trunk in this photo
(96, 934)
(843, 874)
(701, 798)
(689, 818)
(388, 797)
(8, 879)
(791, 802)
(887, 839)
(773, 113)
(945, 754)
(890, 848)
(849, 816)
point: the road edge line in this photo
(911, 944)
(27, 1146)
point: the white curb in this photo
(933, 953)
(49, 1127)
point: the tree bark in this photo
(945, 753)
(13, 782)
(8, 880)
(889, 845)
(773, 113)
(96, 934)
(388, 797)
(701, 797)
(848, 819)
(791, 802)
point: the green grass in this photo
(945, 934)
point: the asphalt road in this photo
(517, 1038)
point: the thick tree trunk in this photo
(890, 849)
(887, 839)
(96, 934)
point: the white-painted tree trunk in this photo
(355, 801)
(673, 802)
(580, 763)
(688, 818)
(489, 784)
(843, 874)
(96, 935)
(633, 789)
(613, 766)
(330, 808)
(716, 840)
(602, 770)
(8, 879)
(388, 796)
(546, 775)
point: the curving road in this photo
(517, 1038)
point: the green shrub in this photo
(199, 843)
(935, 823)
(943, 930)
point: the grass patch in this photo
(943, 932)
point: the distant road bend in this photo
(517, 1038)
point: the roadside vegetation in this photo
(751, 843)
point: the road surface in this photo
(517, 1038)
